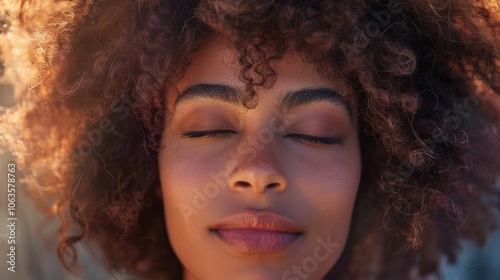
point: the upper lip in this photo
(257, 220)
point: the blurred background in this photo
(36, 257)
(36, 245)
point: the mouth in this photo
(256, 241)
(255, 232)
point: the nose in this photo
(258, 171)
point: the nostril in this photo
(242, 184)
(273, 185)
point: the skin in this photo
(259, 164)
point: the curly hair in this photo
(91, 109)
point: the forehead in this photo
(218, 62)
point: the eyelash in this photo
(306, 138)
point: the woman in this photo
(261, 139)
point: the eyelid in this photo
(307, 138)
(316, 139)
(205, 133)
(204, 119)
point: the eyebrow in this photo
(289, 100)
(296, 98)
(211, 91)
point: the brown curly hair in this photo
(90, 112)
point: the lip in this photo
(257, 232)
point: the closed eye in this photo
(206, 134)
(316, 139)
(302, 137)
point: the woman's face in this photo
(263, 193)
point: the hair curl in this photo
(91, 109)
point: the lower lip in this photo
(256, 241)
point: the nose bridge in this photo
(260, 153)
(257, 165)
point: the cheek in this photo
(331, 179)
(333, 200)
(325, 188)
(185, 172)
(328, 187)
(179, 178)
(336, 183)
(186, 186)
